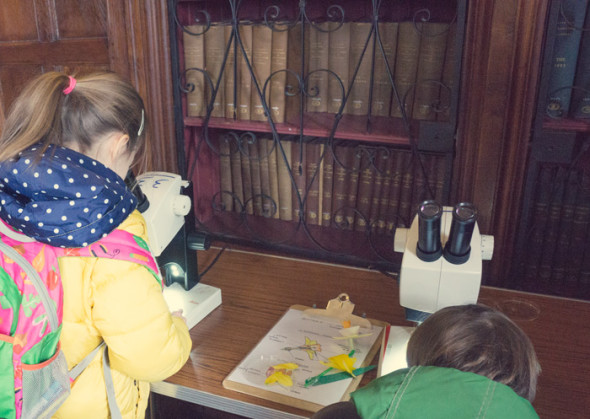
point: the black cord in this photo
(213, 262)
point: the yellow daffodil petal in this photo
(286, 366)
(341, 362)
(279, 377)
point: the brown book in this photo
(420, 185)
(327, 186)
(294, 100)
(430, 67)
(339, 191)
(247, 178)
(338, 59)
(399, 170)
(214, 52)
(383, 215)
(225, 175)
(255, 174)
(358, 100)
(382, 85)
(449, 83)
(318, 51)
(236, 178)
(265, 192)
(353, 185)
(364, 197)
(439, 177)
(406, 67)
(579, 236)
(313, 152)
(229, 76)
(405, 199)
(382, 158)
(194, 57)
(285, 184)
(298, 164)
(261, 50)
(244, 75)
(273, 175)
(278, 62)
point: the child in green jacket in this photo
(465, 362)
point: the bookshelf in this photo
(314, 128)
(553, 246)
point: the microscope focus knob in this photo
(181, 205)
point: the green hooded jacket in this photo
(434, 392)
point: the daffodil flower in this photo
(281, 374)
(342, 362)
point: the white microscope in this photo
(442, 262)
(164, 207)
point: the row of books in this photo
(420, 57)
(349, 187)
(558, 246)
(568, 92)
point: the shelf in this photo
(566, 124)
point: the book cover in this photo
(283, 150)
(247, 178)
(353, 185)
(295, 99)
(261, 50)
(273, 175)
(327, 186)
(225, 175)
(244, 76)
(566, 43)
(383, 216)
(312, 202)
(236, 179)
(317, 89)
(406, 68)
(255, 177)
(431, 60)
(214, 52)
(229, 76)
(365, 192)
(278, 61)
(338, 59)
(360, 67)
(385, 59)
(399, 163)
(194, 57)
(342, 161)
(298, 168)
(580, 105)
(382, 158)
(265, 189)
(449, 79)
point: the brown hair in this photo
(478, 339)
(100, 104)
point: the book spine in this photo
(406, 67)
(278, 61)
(293, 101)
(284, 177)
(385, 192)
(298, 163)
(353, 185)
(244, 76)
(229, 76)
(579, 256)
(381, 166)
(405, 197)
(360, 62)
(194, 57)
(338, 59)
(265, 190)
(381, 100)
(247, 178)
(214, 52)
(273, 175)
(327, 186)
(565, 55)
(236, 178)
(399, 164)
(581, 95)
(364, 192)
(312, 157)
(255, 176)
(339, 190)
(317, 89)
(225, 175)
(449, 81)
(431, 60)
(261, 50)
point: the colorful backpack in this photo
(31, 311)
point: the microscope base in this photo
(196, 303)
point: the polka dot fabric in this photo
(66, 199)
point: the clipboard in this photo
(305, 336)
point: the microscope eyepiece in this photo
(458, 246)
(429, 246)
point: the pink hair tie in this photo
(71, 86)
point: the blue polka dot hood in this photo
(65, 199)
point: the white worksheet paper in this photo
(305, 340)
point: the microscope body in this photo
(429, 285)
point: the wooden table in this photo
(257, 289)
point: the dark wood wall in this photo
(498, 90)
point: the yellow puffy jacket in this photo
(121, 303)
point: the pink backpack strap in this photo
(120, 245)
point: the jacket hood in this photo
(64, 199)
